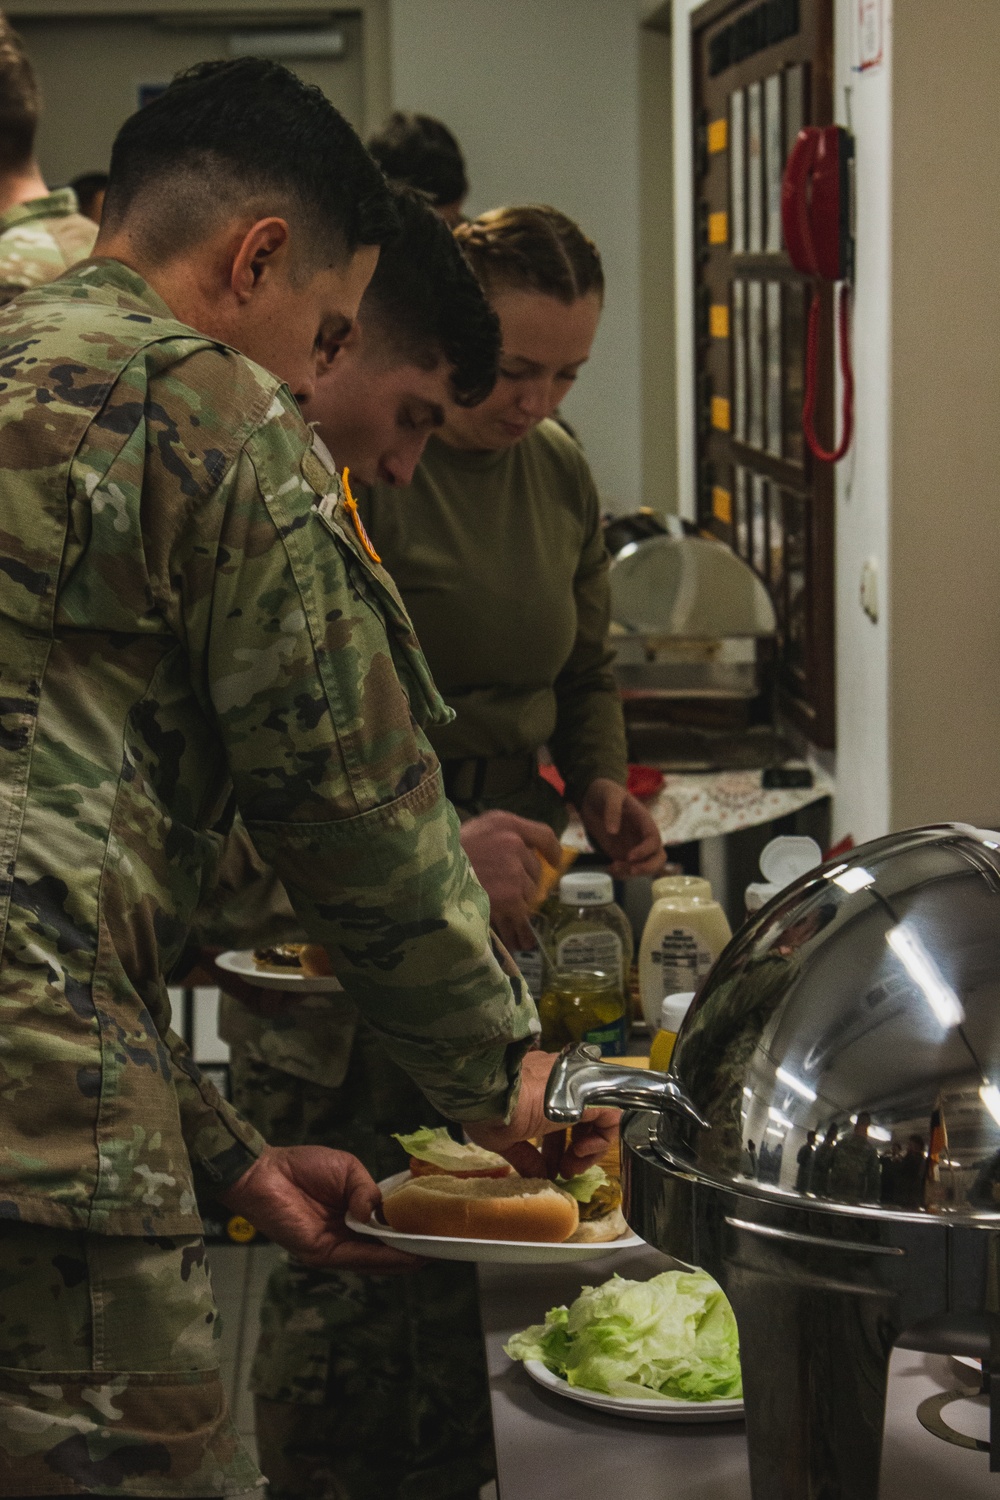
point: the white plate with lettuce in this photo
(663, 1350)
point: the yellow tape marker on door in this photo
(717, 136)
(718, 320)
(722, 505)
(718, 228)
(720, 413)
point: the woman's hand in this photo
(298, 1196)
(623, 829)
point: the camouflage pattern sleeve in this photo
(221, 1144)
(301, 648)
(244, 903)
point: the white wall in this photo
(544, 97)
(864, 101)
(944, 710)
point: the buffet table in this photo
(552, 1449)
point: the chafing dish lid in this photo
(846, 1046)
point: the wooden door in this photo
(760, 72)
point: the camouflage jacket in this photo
(185, 614)
(41, 239)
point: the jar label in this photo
(532, 967)
(598, 949)
(683, 959)
(611, 1039)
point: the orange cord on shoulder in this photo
(359, 525)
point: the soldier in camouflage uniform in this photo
(189, 608)
(370, 1387)
(41, 233)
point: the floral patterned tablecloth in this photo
(699, 805)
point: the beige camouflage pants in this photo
(109, 1369)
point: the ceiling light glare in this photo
(799, 1087)
(780, 1119)
(855, 879)
(922, 970)
(990, 1095)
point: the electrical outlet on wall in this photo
(869, 588)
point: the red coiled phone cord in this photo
(812, 355)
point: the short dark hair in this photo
(226, 136)
(86, 187)
(425, 303)
(422, 153)
(532, 248)
(19, 101)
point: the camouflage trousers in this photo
(367, 1387)
(109, 1369)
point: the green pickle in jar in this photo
(584, 1005)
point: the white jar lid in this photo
(586, 888)
(787, 857)
(759, 894)
(674, 1009)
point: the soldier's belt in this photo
(476, 778)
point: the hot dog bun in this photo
(315, 960)
(428, 1169)
(483, 1208)
(609, 1226)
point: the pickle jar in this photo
(584, 1005)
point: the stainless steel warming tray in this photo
(862, 1004)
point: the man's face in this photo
(293, 328)
(375, 412)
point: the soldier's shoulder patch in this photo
(320, 473)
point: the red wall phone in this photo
(816, 215)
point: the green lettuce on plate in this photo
(672, 1336)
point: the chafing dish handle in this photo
(580, 1080)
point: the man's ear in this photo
(263, 248)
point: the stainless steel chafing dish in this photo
(863, 1004)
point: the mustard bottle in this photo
(672, 1013)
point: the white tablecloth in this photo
(699, 805)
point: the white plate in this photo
(485, 1252)
(662, 1409)
(240, 961)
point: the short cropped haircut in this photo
(227, 138)
(422, 153)
(19, 101)
(424, 303)
(86, 187)
(532, 248)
